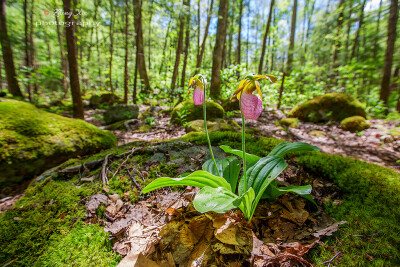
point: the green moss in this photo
(371, 197)
(289, 122)
(317, 133)
(119, 125)
(145, 128)
(218, 125)
(354, 124)
(32, 140)
(195, 112)
(331, 106)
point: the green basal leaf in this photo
(218, 199)
(197, 178)
(273, 191)
(284, 148)
(250, 158)
(229, 168)
(247, 202)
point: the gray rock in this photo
(104, 99)
(121, 112)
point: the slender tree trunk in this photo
(308, 26)
(179, 48)
(96, 5)
(32, 48)
(338, 35)
(203, 44)
(349, 23)
(165, 46)
(391, 40)
(126, 77)
(360, 24)
(110, 62)
(64, 63)
(98, 57)
(375, 49)
(281, 91)
(292, 35)
(136, 72)
(271, 9)
(239, 32)
(230, 42)
(215, 88)
(137, 8)
(73, 64)
(187, 45)
(27, 56)
(198, 29)
(13, 87)
(1, 76)
(150, 27)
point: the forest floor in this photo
(373, 145)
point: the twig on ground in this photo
(331, 260)
(133, 179)
(119, 166)
(104, 169)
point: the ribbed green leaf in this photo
(250, 158)
(218, 199)
(284, 148)
(197, 178)
(229, 168)
(273, 191)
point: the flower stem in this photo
(243, 148)
(208, 137)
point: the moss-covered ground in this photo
(47, 227)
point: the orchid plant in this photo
(221, 188)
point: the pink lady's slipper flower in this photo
(251, 105)
(198, 82)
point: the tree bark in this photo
(178, 50)
(137, 10)
(239, 33)
(292, 35)
(13, 87)
(64, 64)
(391, 40)
(281, 91)
(110, 62)
(126, 77)
(73, 64)
(375, 49)
(165, 46)
(98, 53)
(27, 56)
(260, 65)
(215, 88)
(187, 45)
(203, 44)
(149, 43)
(349, 23)
(360, 24)
(338, 35)
(308, 26)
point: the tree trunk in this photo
(27, 56)
(308, 26)
(165, 46)
(64, 64)
(187, 45)
(73, 64)
(198, 29)
(126, 77)
(149, 43)
(137, 10)
(1, 76)
(375, 49)
(360, 24)
(215, 88)
(110, 62)
(203, 44)
(391, 40)
(178, 50)
(260, 65)
(239, 33)
(13, 87)
(292, 35)
(338, 35)
(281, 91)
(96, 5)
(32, 48)
(98, 53)
(349, 23)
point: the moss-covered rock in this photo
(32, 140)
(218, 125)
(231, 105)
(195, 112)
(104, 100)
(331, 106)
(317, 133)
(354, 124)
(289, 122)
(121, 112)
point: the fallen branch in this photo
(130, 154)
(104, 169)
(331, 260)
(133, 179)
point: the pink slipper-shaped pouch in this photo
(198, 96)
(251, 106)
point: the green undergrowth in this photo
(48, 226)
(370, 205)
